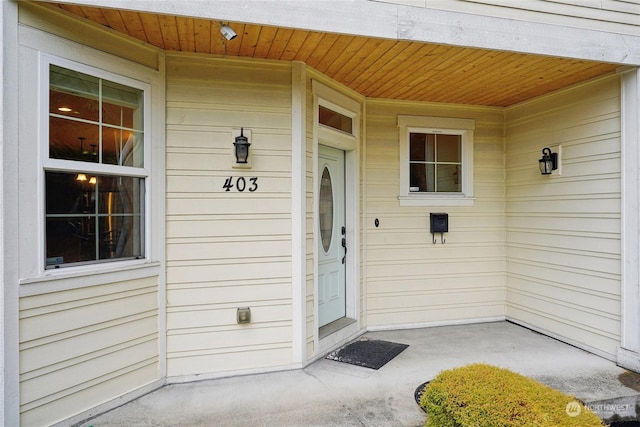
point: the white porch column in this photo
(9, 384)
(629, 350)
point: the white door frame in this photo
(350, 143)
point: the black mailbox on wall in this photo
(439, 224)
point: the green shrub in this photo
(480, 395)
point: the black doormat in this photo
(372, 354)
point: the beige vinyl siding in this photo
(227, 249)
(78, 346)
(616, 16)
(409, 279)
(563, 231)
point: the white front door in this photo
(332, 237)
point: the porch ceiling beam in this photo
(401, 22)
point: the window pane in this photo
(448, 178)
(422, 147)
(122, 105)
(105, 119)
(449, 148)
(73, 94)
(335, 120)
(70, 239)
(69, 193)
(119, 237)
(421, 177)
(122, 147)
(417, 147)
(71, 140)
(119, 195)
(91, 217)
(326, 209)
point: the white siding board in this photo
(614, 16)
(39, 326)
(228, 338)
(203, 163)
(192, 227)
(179, 204)
(594, 243)
(598, 321)
(439, 314)
(40, 385)
(575, 259)
(398, 270)
(572, 223)
(195, 297)
(211, 138)
(559, 327)
(563, 231)
(63, 349)
(195, 94)
(410, 238)
(55, 410)
(78, 344)
(607, 305)
(198, 249)
(193, 272)
(437, 283)
(227, 249)
(393, 301)
(246, 117)
(47, 301)
(604, 283)
(238, 360)
(207, 315)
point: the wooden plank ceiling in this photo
(376, 68)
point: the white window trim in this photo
(463, 127)
(47, 164)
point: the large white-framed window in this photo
(95, 164)
(436, 161)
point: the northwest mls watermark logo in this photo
(623, 407)
(573, 409)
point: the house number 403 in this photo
(241, 184)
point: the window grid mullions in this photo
(99, 168)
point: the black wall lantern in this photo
(241, 145)
(548, 162)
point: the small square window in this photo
(436, 162)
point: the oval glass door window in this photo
(326, 209)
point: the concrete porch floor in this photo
(329, 393)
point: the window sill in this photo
(439, 200)
(88, 275)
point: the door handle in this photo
(344, 245)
